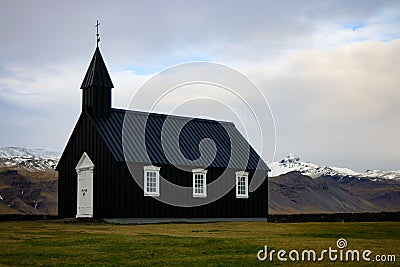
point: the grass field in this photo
(209, 244)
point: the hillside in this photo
(28, 192)
(28, 182)
(297, 193)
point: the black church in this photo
(115, 165)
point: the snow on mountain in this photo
(41, 159)
(293, 163)
(29, 158)
(24, 152)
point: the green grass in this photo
(212, 244)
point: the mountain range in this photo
(28, 185)
(29, 158)
(297, 186)
(293, 163)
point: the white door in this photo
(85, 188)
(84, 198)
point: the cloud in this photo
(339, 102)
(383, 26)
(328, 68)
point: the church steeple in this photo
(97, 74)
(97, 85)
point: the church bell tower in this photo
(96, 86)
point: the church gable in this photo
(84, 138)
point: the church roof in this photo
(150, 138)
(97, 74)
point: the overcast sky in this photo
(329, 69)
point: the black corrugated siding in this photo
(116, 194)
(141, 147)
(86, 139)
(132, 203)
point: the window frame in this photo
(203, 173)
(150, 169)
(239, 175)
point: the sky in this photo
(329, 70)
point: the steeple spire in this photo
(97, 84)
(97, 73)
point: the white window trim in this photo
(246, 175)
(204, 173)
(147, 169)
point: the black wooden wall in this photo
(132, 202)
(100, 103)
(85, 138)
(117, 195)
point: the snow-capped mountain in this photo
(8, 152)
(43, 159)
(330, 189)
(293, 163)
(29, 158)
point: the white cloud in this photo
(384, 25)
(126, 84)
(339, 102)
(332, 88)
